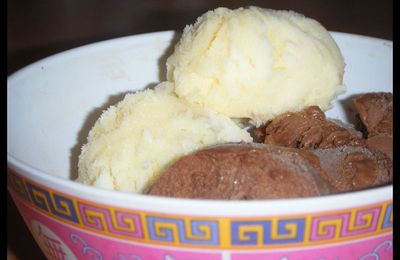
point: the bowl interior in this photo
(53, 103)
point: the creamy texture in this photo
(234, 66)
(309, 129)
(376, 113)
(256, 63)
(132, 141)
(381, 142)
(241, 172)
(350, 168)
(304, 154)
(245, 172)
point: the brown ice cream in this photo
(241, 172)
(350, 168)
(381, 142)
(304, 154)
(309, 129)
(376, 113)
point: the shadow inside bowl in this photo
(351, 113)
(162, 61)
(113, 100)
(89, 122)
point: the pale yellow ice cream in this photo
(256, 63)
(132, 141)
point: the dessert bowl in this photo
(52, 104)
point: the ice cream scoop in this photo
(133, 140)
(241, 172)
(256, 63)
(350, 168)
(376, 113)
(310, 129)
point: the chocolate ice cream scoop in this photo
(381, 142)
(376, 113)
(309, 129)
(350, 168)
(241, 172)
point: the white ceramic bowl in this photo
(53, 103)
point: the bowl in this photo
(53, 103)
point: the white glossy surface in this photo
(53, 103)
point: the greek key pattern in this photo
(388, 219)
(108, 220)
(205, 232)
(54, 204)
(346, 224)
(281, 231)
(183, 230)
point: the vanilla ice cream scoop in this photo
(256, 63)
(132, 141)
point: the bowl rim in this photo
(73, 188)
(33, 173)
(102, 43)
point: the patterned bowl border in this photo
(269, 232)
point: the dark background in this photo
(36, 29)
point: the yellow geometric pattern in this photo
(315, 228)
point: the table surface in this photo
(37, 29)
